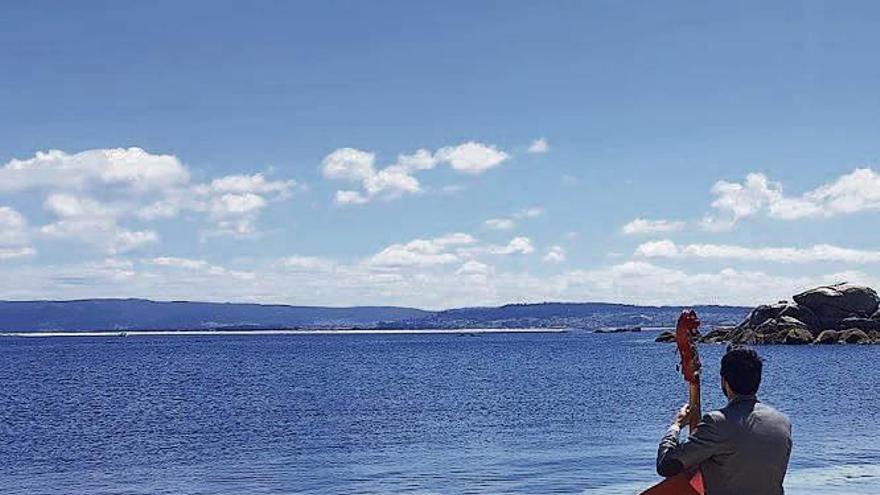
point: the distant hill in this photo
(572, 315)
(141, 314)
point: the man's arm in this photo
(674, 457)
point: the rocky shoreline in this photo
(832, 314)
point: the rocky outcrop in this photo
(798, 336)
(834, 303)
(832, 314)
(827, 337)
(717, 335)
(781, 309)
(865, 324)
(665, 336)
(854, 336)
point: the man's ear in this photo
(726, 387)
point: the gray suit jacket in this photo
(742, 449)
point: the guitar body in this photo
(689, 482)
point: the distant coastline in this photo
(215, 333)
(141, 315)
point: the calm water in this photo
(333, 414)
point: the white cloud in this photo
(517, 245)
(200, 267)
(644, 226)
(472, 157)
(817, 253)
(467, 282)
(349, 164)
(134, 168)
(132, 182)
(473, 267)
(232, 203)
(308, 263)
(91, 222)
(533, 212)
(509, 223)
(556, 254)
(539, 145)
(397, 179)
(245, 184)
(14, 238)
(658, 249)
(499, 224)
(850, 193)
(7, 253)
(422, 252)
(350, 198)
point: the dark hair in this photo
(741, 368)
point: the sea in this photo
(525, 413)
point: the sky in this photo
(438, 154)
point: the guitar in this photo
(688, 482)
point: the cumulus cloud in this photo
(14, 238)
(850, 193)
(472, 157)
(132, 168)
(644, 226)
(539, 145)
(232, 203)
(89, 221)
(134, 184)
(422, 252)
(556, 254)
(397, 179)
(517, 245)
(817, 253)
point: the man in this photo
(742, 449)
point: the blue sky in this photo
(438, 154)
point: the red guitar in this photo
(689, 482)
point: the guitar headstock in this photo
(685, 333)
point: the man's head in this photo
(740, 372)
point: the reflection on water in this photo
(542, 413)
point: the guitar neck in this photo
(694, 403)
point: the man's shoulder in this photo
(768, 411)
(715, 416)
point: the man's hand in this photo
(683, 416)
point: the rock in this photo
(854, 336)
(665, 336)
(744, 336)
(833, 303)
(866, 324)
(716, 335)
(875, 336)
(798, 336)
(768, 327)
(780, 325)
(827, 337)
(767, 312)
(618, 330)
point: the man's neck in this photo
(741, 397)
